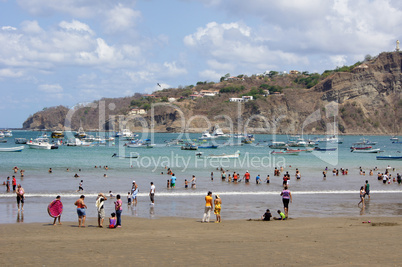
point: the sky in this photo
(75, 51)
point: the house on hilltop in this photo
(137, 111)
(243, 99)
(209, 93)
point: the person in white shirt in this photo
(152, 193)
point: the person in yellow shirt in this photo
(208, 207)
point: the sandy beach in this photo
(184, 241)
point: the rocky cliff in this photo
(366, 100)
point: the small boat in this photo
(126, 134)
(20, 140)
(330, 139)
(131, 156)
(78, 142)
(247, 141)
(140, 144)
(80, 133)
(278, 145)
(12, 149)
(361, 147)
(1, 134)
(389, 157)
(372, 150)
(206, 135)
(39, 143)
(394, 138)
(285, 153)
(325, 149)
(208, 146)
(364, 142)
(8, 133)
(57, 134)
(218, 134)
(2, 140)
(189, 146)
(225, 156)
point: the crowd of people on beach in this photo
(211, 204)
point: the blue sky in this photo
(71, 51)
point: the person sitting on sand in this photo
(112, 220)
(281, 216)
(266, 216)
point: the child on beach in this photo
(267, 179)
(80, 188)
(112, 220)
(281, 216)
(266, 216)
(185, 183)
(128, 198)
(111, 194)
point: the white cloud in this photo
(50, 88)
(76, 25)
(210, 75)
(120, 19)
(10, 73)
(8, 28)
(31, 27)
(173, 70)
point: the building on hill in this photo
(209, 93)
(149, 96)
(137, 111)
(245, 98)
(294, 72)
(195, 96)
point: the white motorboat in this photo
(78, 142)
(225, 156)
(8, 133)
(218, 134)
(206, 135)
(1, 134)
(11, 149)
(126, 134)
(39, 143)
(331, 139)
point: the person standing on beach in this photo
(223, 176)
(208, 207)
(134, 192)
(100, 200)
(56, 202)
(173, 181)
(361, 197)
(152, 193)
(20, 197)
(286, 197)
(193, 180)
(8, 184)
(217, 209)
(81, 211)
(367, 189)
(14, 183)
(247, 177)
(119, 209)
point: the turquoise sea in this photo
(312, 195)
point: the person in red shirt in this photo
(247, 176)
(14, 183)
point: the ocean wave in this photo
(190, 194)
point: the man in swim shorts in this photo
(152, 194)
(101, 211)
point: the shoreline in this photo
(182, 241)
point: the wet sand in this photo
(183, 241)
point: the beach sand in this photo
(184, 241)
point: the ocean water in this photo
(312, 195)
